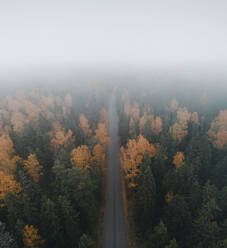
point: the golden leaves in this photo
(7, 163)
(8, 184)
(178, 159)
(101, 133)
(84, 125)
(157, 125)
(31, 238)
(59, 137)
(218, 130)
(33, 167)
(99, 154)
(81, 157)
(131, 157)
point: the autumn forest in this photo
(54, 156)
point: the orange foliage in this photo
(7, 163)
(8, 184)
(131, 157)
(135, 112)
(218, 130)
(99, 154)
(31, 238)
(13, 105)
(18, 121)
(146, 117)
(104, 116)
(33, 167)
(157, 125)
(178, 159)
(183, 116)
(195, 118)
(101, 134)
(178, 131)
(81, 157)
(84, 125)
(48, 101)
(59, 137)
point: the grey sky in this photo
(115, 32)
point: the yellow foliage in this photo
(183, 116)
(101, 134)
(104, 116)
(218, 130)
(178, 131)
(157, 125)
(131, 157)
(81, 157)
(59, 137)
(84, 125)
(18, 121)
(135, 112)
(178, 159)
(33, 167)
(8, 184)
(7, 163)
(31, 238)
(195, 118)
(99, 154)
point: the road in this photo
(115, 234)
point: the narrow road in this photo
(115, 235)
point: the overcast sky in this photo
(112, 32)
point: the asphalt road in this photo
(115, 235)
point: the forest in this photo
(54, 144)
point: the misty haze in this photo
(113, 124)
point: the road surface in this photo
(115, 235)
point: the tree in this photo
(218, 130)
(157, 125)
(172, 244)
(178, 159)
(99, 154)
(131, 157)
(8, 184)
(159, 237)
(59, 137)
(50, 222)
(6, 239)
(81, 157)
(31, 237)
(178, 218)
(33, 167)
(145, 196)
(84, 125)
(101, 133)
(86, 242)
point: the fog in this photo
(121, 34)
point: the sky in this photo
(113, 32)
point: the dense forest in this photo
(53, 162)
(174, 162)
(52, 159)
